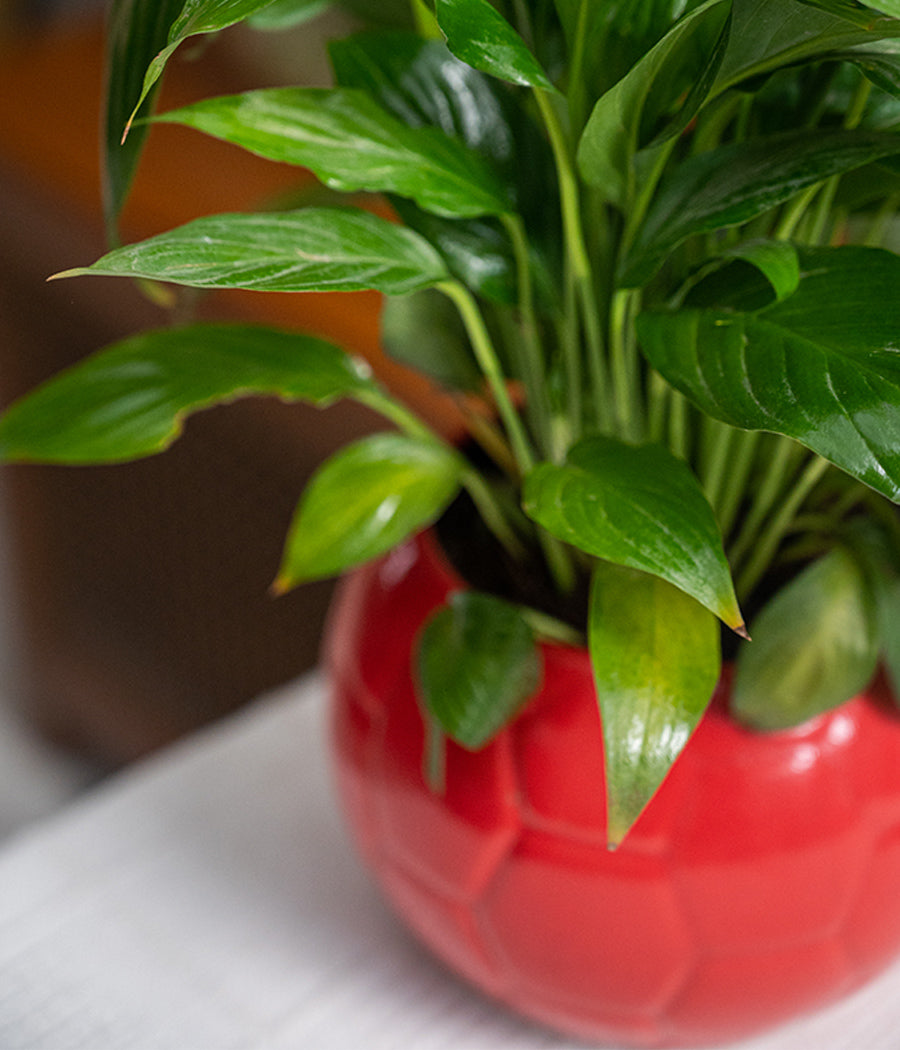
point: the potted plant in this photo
(647, 249)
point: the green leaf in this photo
(821, 366)
(887, 7)
(196, 17)
(285, 14)
(735, 183)
(480, 36)
(655, 658)
(365, 500)
(637, 506)
(769, 34)
(613, 36)
(477, 251)
(422, 84)
(612, 134)
(880, 63)
(312, 249)
(131, 399)
(137, 30)
(424, 331)
(477, 665)
(814, 646)
(351, 143)
(777, 261)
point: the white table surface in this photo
(207, 900)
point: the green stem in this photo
(679, 436)
(486, 434)
(625, 366)
(491, 513)
(658, 400)
(486, 355)
(775, 531)
(424, 20)
(778, 471)
(579, 262)
(735, 488)
(816, 232)
(537, 399)
(472, 481)
(717, 443)
(793, 214)
(575, 84)
(828, 187)
(523, 22)
(434, 756)
(397, 413)
(881, 223)
(642, 197)
(568, 343)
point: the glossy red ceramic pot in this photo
(762, 881)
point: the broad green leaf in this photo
(365, 500)
(422, 84)
(424, 331)
(655, 658)
(351, 143)
(776, 260)
(136, 31)
(886, 7)
(477, 251)
(131, 399)
(814, 646)
(880, 63)
(284, 14)
(821, 366)
(480, 36)
(637, 506)
(611, 137)
(732, 184)
(847, 9)
(312, 249)
(477, 665)
(197, 17)
(614, 35)
(769, 34)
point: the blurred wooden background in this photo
(140, 592)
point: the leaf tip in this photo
(279, 586)
(74, 272)
(618, 825)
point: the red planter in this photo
(761, 882)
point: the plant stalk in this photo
(580, 265)
(537, 404)
(489, 363)
(769, 540)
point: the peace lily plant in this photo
(647, 247)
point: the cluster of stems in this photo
(581, 370)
